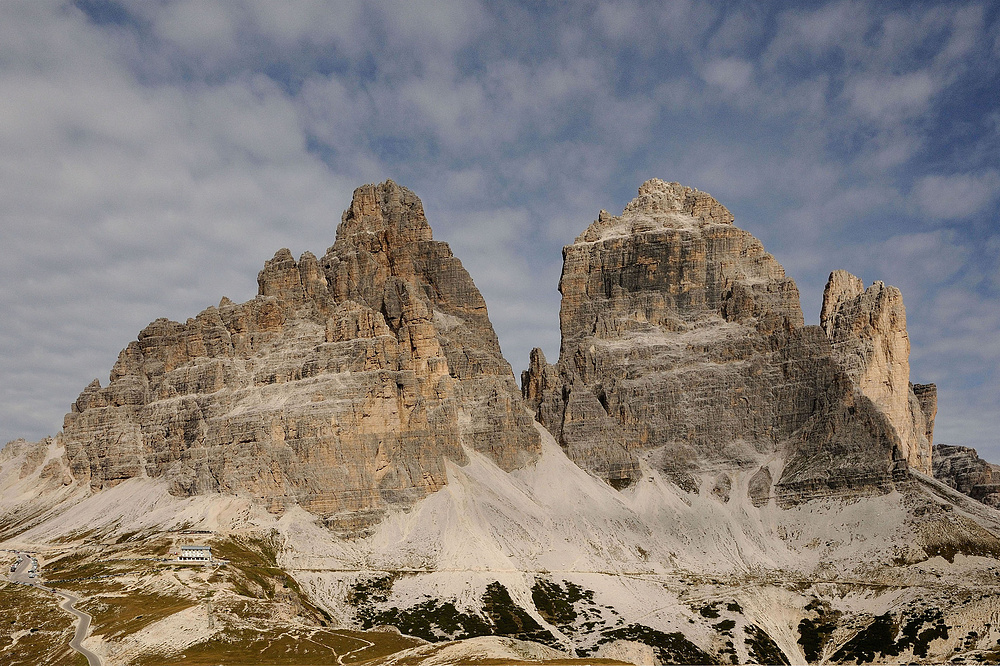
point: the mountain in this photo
(343, 387)
(683, 345)
(706, 479)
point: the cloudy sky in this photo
(154, 154)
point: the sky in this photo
(153, 154)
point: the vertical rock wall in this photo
(683, 345)
(867, 328)
(343, 386)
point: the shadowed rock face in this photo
(961, 468)
(683, 346)
(343, 386)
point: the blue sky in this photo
(154, 154)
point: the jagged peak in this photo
(659, 205)
(846, 292)
(383, 211)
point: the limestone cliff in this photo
(343, 386)
(683, 347)
(867, 328)
(961, 468)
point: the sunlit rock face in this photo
(683, 348)
(343, 387)
(867, 328)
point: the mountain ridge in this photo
(705, 477)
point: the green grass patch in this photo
(49, 629)
(286, 647)
(115, 617)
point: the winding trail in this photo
(82, 626)
(69, 605)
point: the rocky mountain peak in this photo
(659, 205)
(684, 348)
(383, 217)
(343, 387)
(961, 468)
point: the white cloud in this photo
(730, 74)
(833, 26)
(956, 196)
(889, 99)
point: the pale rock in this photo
(683, 346)
(630, 652)
(867, 329)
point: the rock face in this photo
(926, 395)
(683, 347)
(867, 328)
(343, 386)
(961, 468)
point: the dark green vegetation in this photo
(33, 630)
(762, 647)
(430, 620)
(711, 611)
(877, 638)
(509, 619)
(912, 634)
(814, 633)
(671, 648)
(573, 610)
(436, 621)
(889, 637)
(566, 605)
(725, 626)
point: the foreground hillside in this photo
(706, 479)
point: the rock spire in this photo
(343, 387)
(867, 328)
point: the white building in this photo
(196, 554)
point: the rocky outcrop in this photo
(961, 468)
(683, 346)
(926, 395)
(342, 387)
(867, 328)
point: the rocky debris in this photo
(683, 346)
(867, 328)
(343, 386)
(961, 468)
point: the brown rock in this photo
(343, 386)
(926, 395)
(961, 468)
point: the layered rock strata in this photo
(342, 387)
(683, 347)
(867, 328)
(961, 468)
